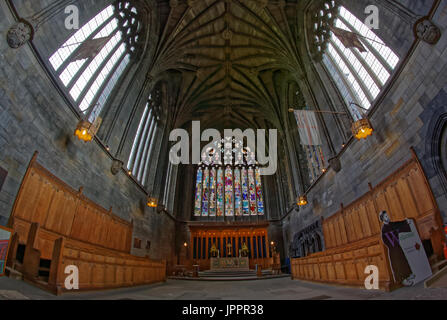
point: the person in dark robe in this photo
(390, 235)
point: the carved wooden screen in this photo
(58, 208)
(353, 235)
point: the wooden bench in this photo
(353, 237)
(56, 226)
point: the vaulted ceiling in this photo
(233, 63)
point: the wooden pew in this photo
(60, 227)
(353, 235)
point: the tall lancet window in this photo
(228, 182)
(360, 71)
(90, 63)
(143, 145)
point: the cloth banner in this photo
(308, 128)
(349, 39)
(90, 48)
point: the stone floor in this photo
(273, 289)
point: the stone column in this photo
(25, 28)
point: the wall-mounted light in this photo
(152, 202)
(302, 201)
(86, 130)
(362, 129)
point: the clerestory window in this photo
(90, 63)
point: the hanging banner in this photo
(308, 128)
(5, 239)
(408, 260)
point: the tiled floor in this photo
(274, 289)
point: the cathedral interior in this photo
(152, 141)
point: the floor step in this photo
(14, 274)
(439, 266)
(232, 274)
(437, 280)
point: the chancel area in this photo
(281, 143)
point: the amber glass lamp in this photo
(152, 202)
(85, 130)
(362, 129)
(302, 201)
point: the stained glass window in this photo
(228, 182)
(252, 191)
(315, 161)
(237, 192)
(229, 207)
(259, 197)
(245, 201)
(198, 202)
(213, 185)
(220, 193)
(205, 197)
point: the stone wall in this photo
(406, 117)
(34, 116)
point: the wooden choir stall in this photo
(353, 235)
(56, 226)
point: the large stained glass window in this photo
(228, 182)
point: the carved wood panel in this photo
(353, 235)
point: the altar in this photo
(240, 264)
(241, 245)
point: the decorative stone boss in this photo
(20, 33)
(427, 31)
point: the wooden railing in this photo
(61, 227)
(353, 235)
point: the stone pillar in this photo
(24, 29)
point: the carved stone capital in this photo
(427, 31)
(19, 34)
(335, 164)
(116, 166)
